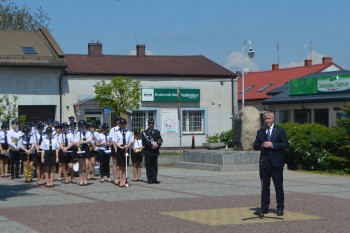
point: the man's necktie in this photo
(50, 148)
(268, 134)
(5, 138)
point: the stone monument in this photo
(250, 125)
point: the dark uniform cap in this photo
(29, 124)
(73, 123)
(26, 129)
(40, 126)
(50, 121)
(151, 121)
(14, 121)
(48, 130)
(64, 124)
(137, 132)
(105, 126)
(122, 121)
(4, 125)
(71, 117)
(117, 119)
(81, 122)
(56, 123)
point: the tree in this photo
(8, 108)
(119, 95)
(21, 18)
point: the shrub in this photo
(225, 136)
(316, 147)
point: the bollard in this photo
(193, 146)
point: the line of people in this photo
(55, 147)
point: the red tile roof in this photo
(188, 66)
(275, 77)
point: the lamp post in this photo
(246, 44)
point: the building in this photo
(314, 98)
(186, 95)
(258, 84)
(32, 67)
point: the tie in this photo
(65, 140)
(107, 148)
(5, 138)
(40, 139)
(268, 134)
(50, 145)
(124, 139)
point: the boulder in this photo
(250, 125)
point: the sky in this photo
(284, 32)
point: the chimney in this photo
(326, 60)
(95, 49)
(308, 62)
(275, 66)
(141, 50)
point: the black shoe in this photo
(262, 211)
(156, 182)
(280, 212)
(149, 182)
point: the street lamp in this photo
(251, 52)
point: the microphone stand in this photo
(260, 214)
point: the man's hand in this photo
(267, 144)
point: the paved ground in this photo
(185, 201)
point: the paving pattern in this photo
(184, 201)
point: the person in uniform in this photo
(104, 143)
(4, 149)
(65, 155)
(136, 155)
(49, 156)
(122, 141)
(152, 141)
(26, 146)
(112, 134)
(272, 141)
(38, 137)
(14, 134)
(82, 140)
(93, 149)
(73, 127)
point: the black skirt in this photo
(136, 157)
(65, 158)
(50, 158)
(121, 158)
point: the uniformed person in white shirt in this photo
(73, 127)
(104, 143)
(93, 149)
(122, 141)
(112, 134)
(4, 153)
(82, 139)
(49, 156)
(136, 155)
(26, 146)
(14, 134)
(66, 153)
(38, 137)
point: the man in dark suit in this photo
(151, 140)
(272, 142)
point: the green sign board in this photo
(190, 95)
(320, 85)
(170, 95)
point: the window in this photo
(94, 116)
(29, 50)
(249, 88)
(265, 87)
(193, 121)
(140, 118)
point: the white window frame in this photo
(204, 120)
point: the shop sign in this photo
(190, 95)
(170, 95)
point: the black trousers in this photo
(151, 163)
(104, 163)
(276, 173)
(14, 158)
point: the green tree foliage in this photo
(316, 147)
(121, 94)
(21, 18)
(8, 108)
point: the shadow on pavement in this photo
(10, 190)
